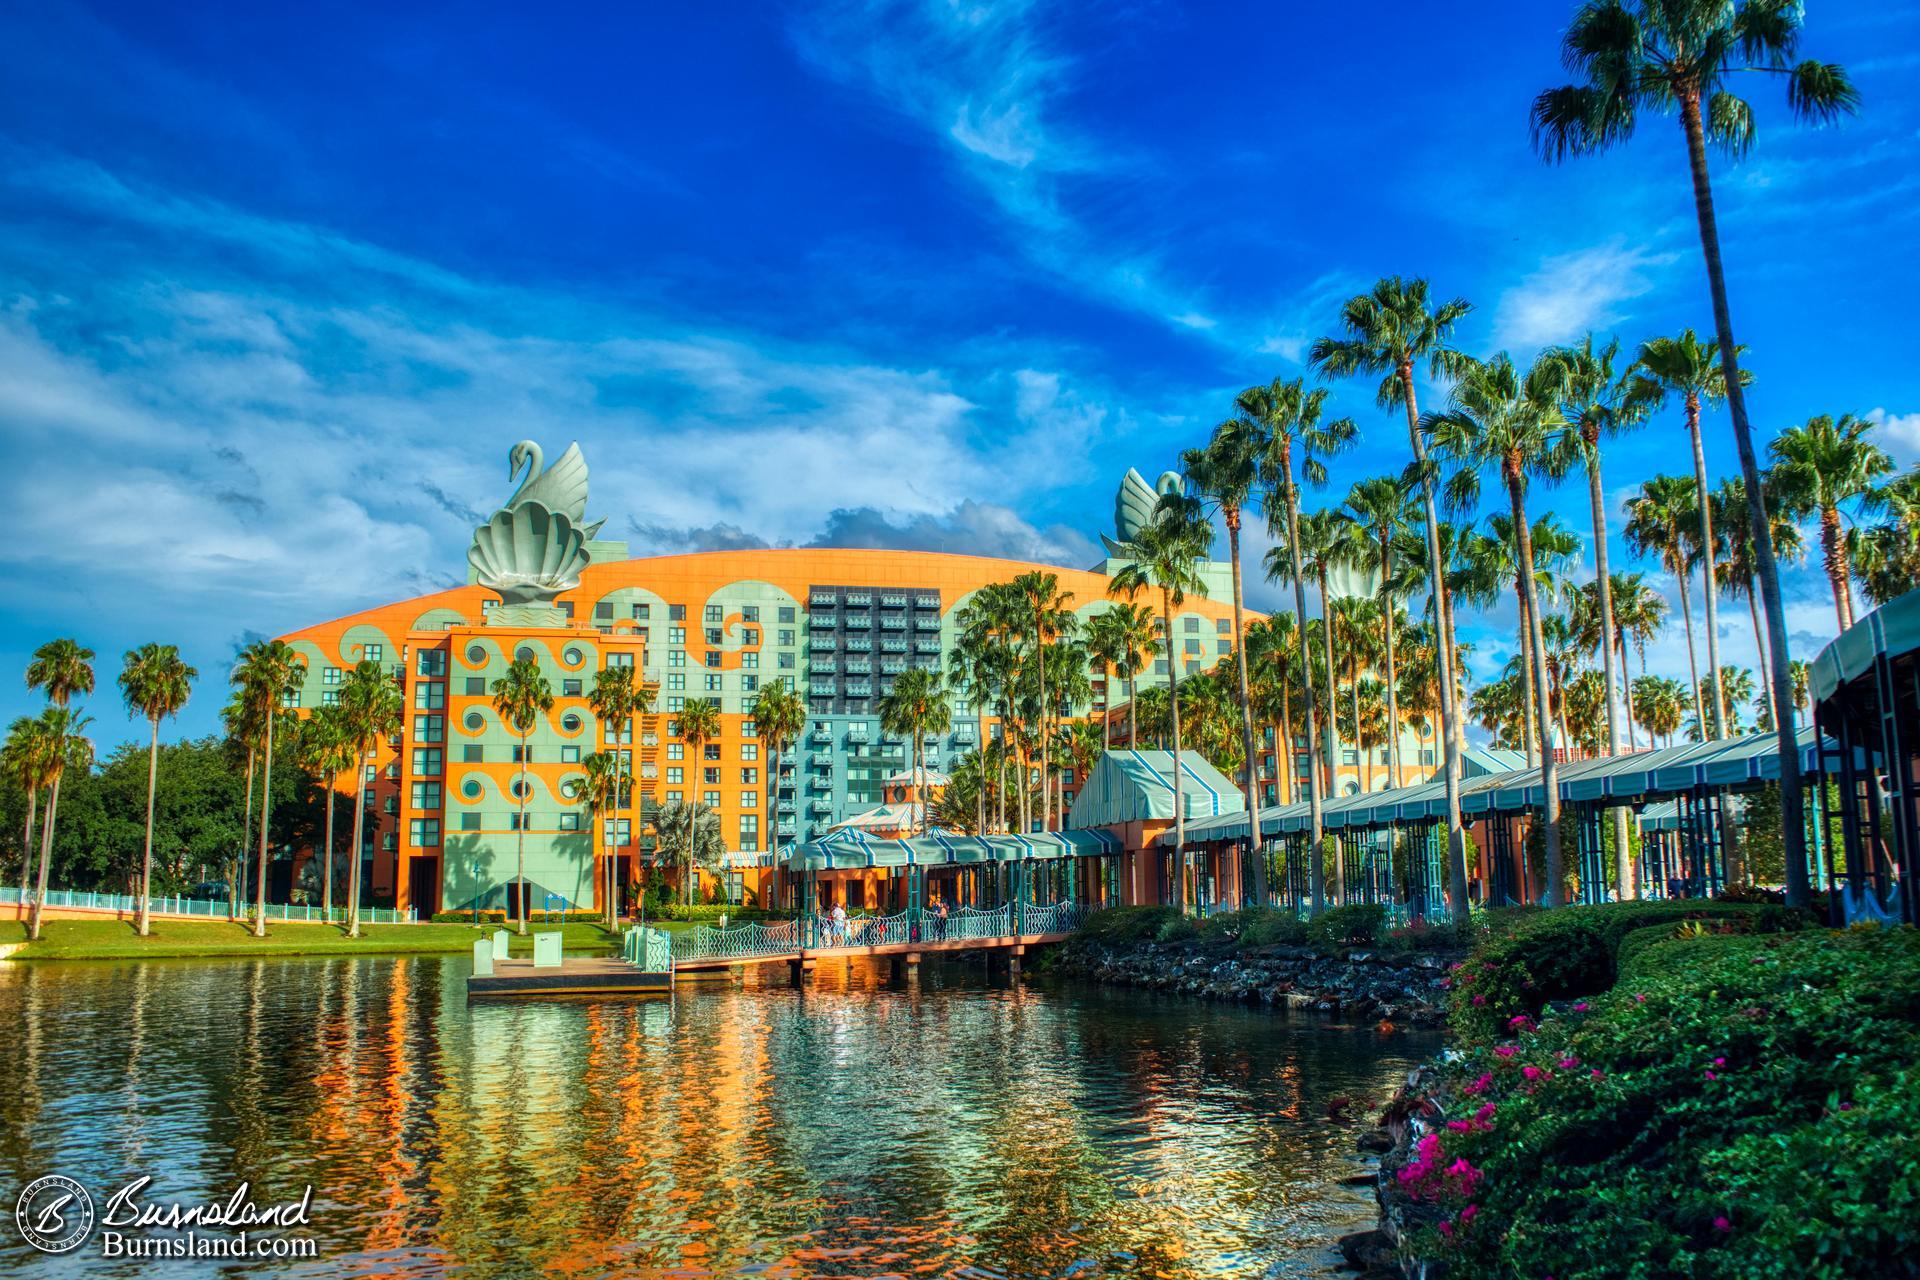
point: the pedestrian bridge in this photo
(1010, 927)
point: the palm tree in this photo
(699, 723)
(1153, 712)
(1167, 553)
(268, 673)
(1322, 546)
(521, 697)
(26, 759)
(62, 738)
(1384, 513)
(156, 684)
(1736, 566)
(1683, 366)
(1291, 416)
(1227, 470)
(63, 668)
(1270, 644)
(1658, 520)
(1135, 645)
(1044, 608)
(616, 698)
(1681, 53)
(1657, 702)
(1816, 468)
(1497, 419)
(779, 715)
(326, 751)
(916, 707)
(1389, 330)
(599, 789)
(1887, 556)
(243, 734)
(973, 672)
(695, 830)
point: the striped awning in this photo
(850, 849)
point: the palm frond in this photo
(1821, 92)
(1730, 123)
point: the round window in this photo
(477, 654)
(470, 788)
(574, 657)
(570, 788)
(570, 722)
(518, 788)
(475, 721)
(523, 654)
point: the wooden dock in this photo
(574, 975)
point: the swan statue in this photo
(1134, 505)
(534, 547)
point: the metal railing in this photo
(650, 950)
(206, 908)
(819, 932)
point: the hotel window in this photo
(676, 657)
(677, 681)
(570, 755)
(476, 686)
(374, 653)
(1426, 755)
(517, 821)
(710, 776)
(749, 635)
(786, 614)
(676, 795)
(749, 684)
(429, 697)
(621, 659)
(1192, 646)
(748, 729)
(426, 762)
(749, 751)
(713, 657)
(716, 684)
(469, 821)
(1350, 755)
(569, 822)
(1223, 646)
(786, 637)
(1160, 666)
(643, 611)
(749, 800)
(711, 799)
(522, 755)
(331, 675)
(676, 635)
(675, 703)
(429, 728)
(430, 662)
(786, 662)
(676, 613)
(750, 661)
(329, 697)
(676, 775)
(617, 830)
(750, 612)
(1223, 625)
(714, 613)
(570, 688)
(711, 750)
(750, 777)
(604, 610)
(1191, 623)
(472, 753)
(424, 833)
(676, 751)
(426, 795)
(291, 699)
(713, 635)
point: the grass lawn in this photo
(116, 940)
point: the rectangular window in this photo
(713, 635)
(749, 751)
(329, 697)
(429, 697)
(603, 610)
(469, 821)
(1223, 625)
(290, 699)
(426, 795)
(617, 831)
(710, 750)
(424, 833)
(748, 729)
(750, 612)
(676, 613)
(716, 684)
(749, 661)
(676, 657)
(569, 822)
(786, 637)
(330, 675)
(472, 753)
(749, 800)
(476, 686)
(714, 613)
(430, 662)
(643, 611)
(522, 755)
(570, 754)
(749, 822)
(1190, 623)
(786, 614)
(429, 728)
(375, 653)
(786, 662)
(676, 751)
(713, 657)
(426, 762)
(749, 635)
(676, 703)
(749, 684)
(710, 776)
(620, 659)
(677, 681)
(676, 774)
(570, 688)
(711, 799)
(517, 821)
(676, 635)
(749, 776)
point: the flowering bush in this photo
(1741, 1107)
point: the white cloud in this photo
(1572, 293)
(1899, 434)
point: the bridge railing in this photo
(650, 950)
(819, 932)
(206, 908)
(740, 942)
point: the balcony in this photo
(821, 644)
(821, 600)
(927, 603)
(859, 621)
(892, 622)
(820, 804)
(892, 667)
(859, 668)
(821, 760)
(785, 806)
(859, 599)
(820, 688)
(859, 689)
(891, 740)
(926, 644)
(859, 644)
(964, 735)
(819, 782)
(822, 733)
(856, 734)
(822, 667)
(787, 830)
(893, 646)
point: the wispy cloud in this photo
(1899, 434)
(1572, 293)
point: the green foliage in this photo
(1127, 924)
(1358, 924)
(576, 916)
(1735, 1107)
(1531, 958)
(710, 912)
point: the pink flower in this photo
(1478, 1001)
(1596, 1074)
(1506, 1050)
(1479, 1086)
(1532, 1072)
(1429, 1147)
(1460, 1126)
(1519, 1022)
(1712, 1076)
(1638, 998)
(1846, 1106)
(1723, 1223)
(1468, 1214)
(1719, 1062)
(1582, 1007)
(1568, 1064)
(1485, 1114)
(1446, 1229)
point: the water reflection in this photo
(849, 1129)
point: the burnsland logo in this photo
(56, 1215)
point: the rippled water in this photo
(850, 1130)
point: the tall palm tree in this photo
(26, 760)
(1227, 470)
(1385, 514)
(326, 751)
(1321, 547)
(62, 738)
(521, 697)
(1047, 613)
(1139, 644)
(699, 723)
(1736, 562)
(915, 707)
(1657, 703)
(242, 723)
(599, 790)
(1659, 517)
(1816, 468)
(1662, 54)
(156, 684)
(779, 715)
(1166, 557)
(973, 671)
(64, 668)
(1501, 420)
(1555, 551)
(1686, 367)
(1270, 646)
(268, 673)
(1389, 330)
(1886, 556)
(616, 698)
(695, 830)
(1291, 416)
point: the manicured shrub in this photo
(578, 916)
(1127, 924)
(710, 912)
(1357, 924)
(1738, 1106)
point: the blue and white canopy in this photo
(850, 849)
(1133, 786)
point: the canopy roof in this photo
(1892, 628)
(1132, 786)
(1733, 763)
(849, 848)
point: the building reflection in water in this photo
(739, 1127)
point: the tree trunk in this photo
(1396, 774)
(1046, 745)
(1246, 719)
(520, 835)
(1626, 693)
(1614, 678)
(1706, 568)
(1333, 742)
(1179, 803)
(326, 860)
(1761, 648)
(26, 841)
(46, 850)
(240, 863)
(266, 816)
(146, 853)
(1549, 773)
(1452, 714)
(1316, 868)
(1523, 591)
(361, 750)
(1133, 712)
(1686, 617)
(1833, 552)
(980, 805)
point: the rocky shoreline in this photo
(1404, 988)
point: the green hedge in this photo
(710, 913)
(1335, 931)
(1737, 1106)
(1528, 959)
(578, 916)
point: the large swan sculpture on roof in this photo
(533, 548)
(1134, 505)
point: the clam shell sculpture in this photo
(528, 553)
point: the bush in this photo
(1123, 925)
(1357, 924)
(1738, 1107)
(1570, 952)
(710, 912)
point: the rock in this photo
(1375, 1142)
(1367, 1250)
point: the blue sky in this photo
(277, 293)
